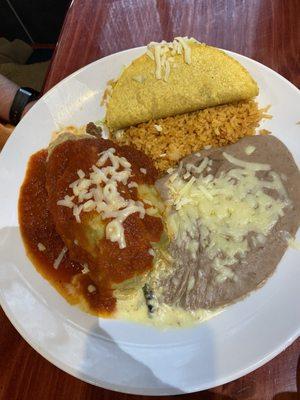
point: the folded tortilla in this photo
(211, 78)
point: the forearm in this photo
(8, 90)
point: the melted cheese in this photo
(149, 196)
(134, 308)
(225, 210)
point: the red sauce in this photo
(111, 265)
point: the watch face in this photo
(26, 91)
(33, 94)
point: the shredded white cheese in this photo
(98, 191)
(249, 150)
(67, 202)
(224, 210)
(143, 171)
(60, 258)
(186, 48)
(163, 55)
(81, 174)
(158, 128)
(249, 165)
(41, 247)
(85, 269)
(91, 289)
(151, 252)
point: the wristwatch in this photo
(23, 96)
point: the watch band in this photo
(22, 98)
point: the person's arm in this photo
(8, 90)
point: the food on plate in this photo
(209, 232)
(89, 214)
(175, 78)
(179, 97)
(230, 212)
(184, 211)
(168, 140)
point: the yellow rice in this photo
(168, 140)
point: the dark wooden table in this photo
(265, 30)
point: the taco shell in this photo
(211, 78)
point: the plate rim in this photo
(121, 388)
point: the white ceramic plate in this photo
(121, 355)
